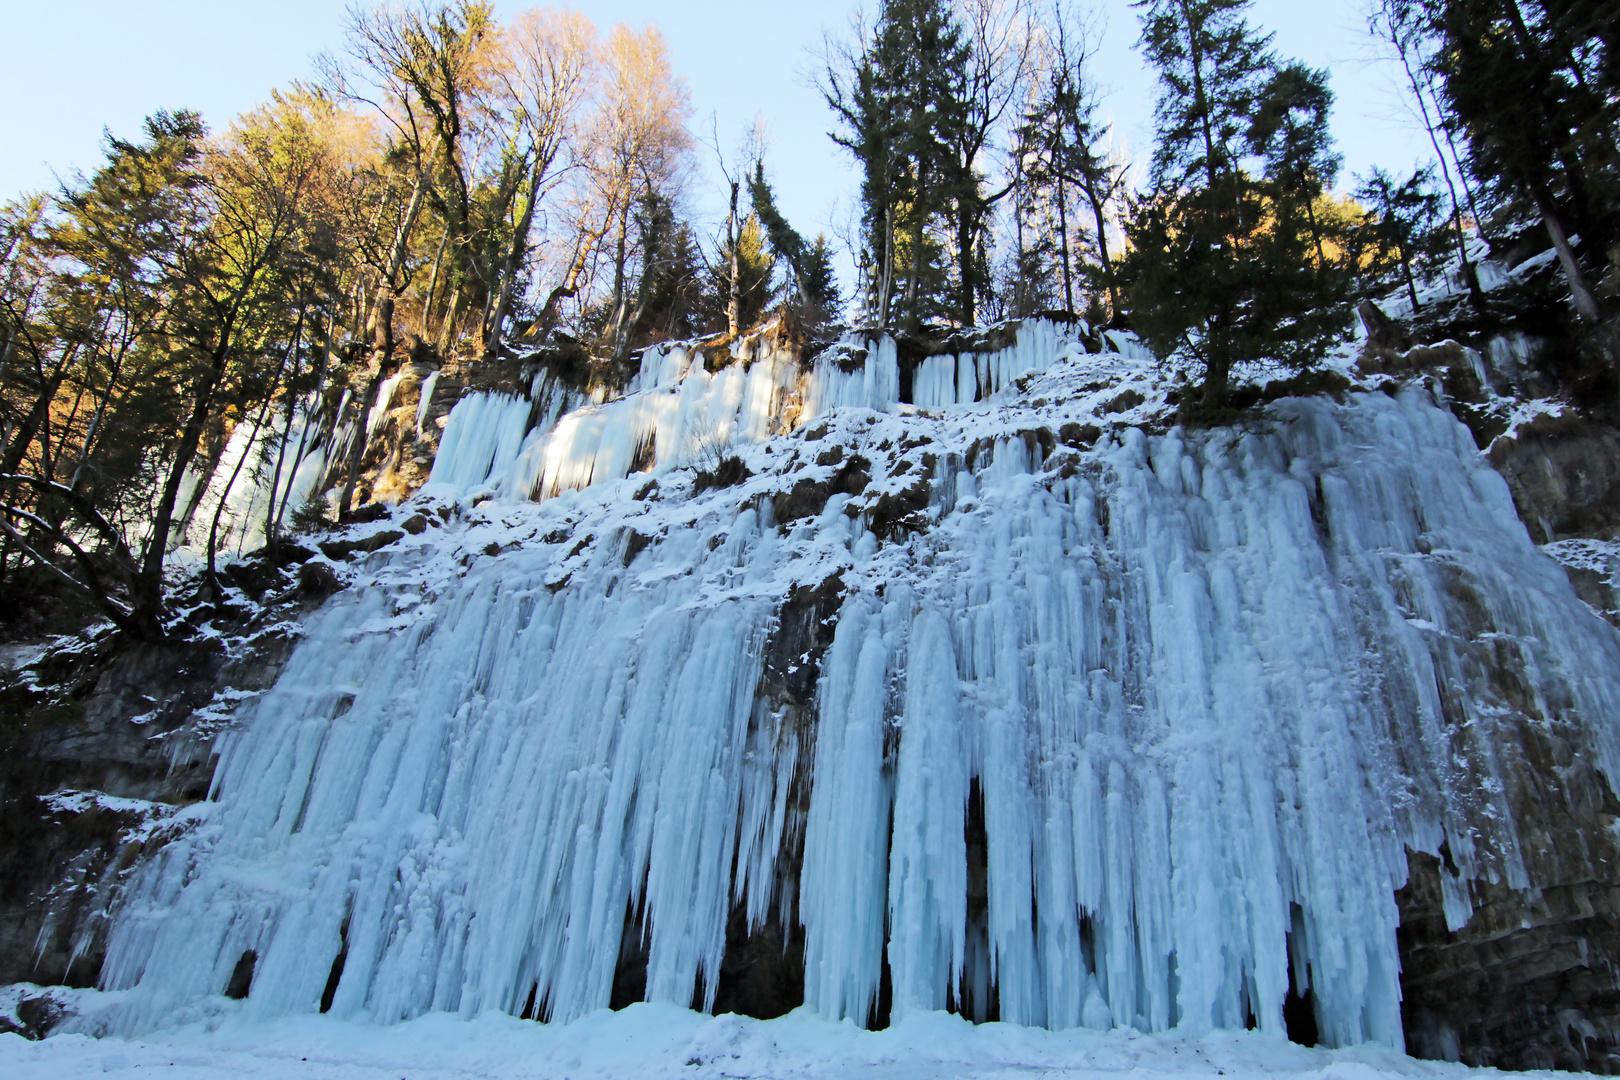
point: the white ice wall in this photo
(246, 474)
(1209, 688)
(675, 412)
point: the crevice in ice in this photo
(241, 982)
(976, 994)
(335, 976)
(1299, 1007)
(630, 971)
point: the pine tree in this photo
(1537, 127)
(1403, 222)
(1219, 272)
(896, 100)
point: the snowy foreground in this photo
(648, 1040)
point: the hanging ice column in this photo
(255, 467)
(675, 412)
(964, 378)
(1207, 690)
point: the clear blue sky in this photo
(77, 66)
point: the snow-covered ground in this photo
(649, 1041)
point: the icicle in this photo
(429, 384)
(481, 439)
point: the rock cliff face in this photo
(1532, 978)
(102, 746)
(1529, 981)
(107, 747)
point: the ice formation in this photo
(1191, 696)
(280, 459)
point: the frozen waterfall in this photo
(1183, 700)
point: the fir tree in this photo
(1219, 273)
(810, 264)
(1289, 132)
(1403, 222)
(818, 281)
(755, 267)
(896, 99)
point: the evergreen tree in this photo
(896, 99)
(814, 284)
(1219, 273)
(755, 268)
(1523, 79)
(818, 282)
(1289, 133)
(677, 304)
(1403, 221)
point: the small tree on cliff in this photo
(1221, 269)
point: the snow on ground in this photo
(654, 1041)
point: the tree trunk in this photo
(1215, 381)
(1586, 305)
(966, 230)
(146, 590)
(913, 272)
(1063, 247)
(1099, 211)
(210, 576)
(620, 257)
(357, 444)
(1406, 272)
(509, 270)
(886, 274)
(433, 284)
(381, 322)
(1316, 231)
(447, 328)
(734, 306)
(23, 436)
(1476, 295)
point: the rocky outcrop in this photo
(1564, 472)
(1532, 979)
(1528, 983)
(103, 743)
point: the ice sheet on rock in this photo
(415, 799)
(378, 413)
(864, 375)
(482, 438)
(429, 384)
(1197, 693)
(962, 379)
(676, 414)
(246, 478)
(865, 372)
